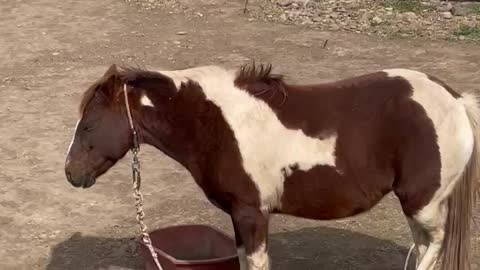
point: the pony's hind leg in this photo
(420, 239)
(423, 199)
(432, 219)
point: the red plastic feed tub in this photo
(191, 247)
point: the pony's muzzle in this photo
(70, 179)
(78, 179)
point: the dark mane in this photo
(88, 95)
(130, 73)
(133, 76)
(258, 79)
(148, 80)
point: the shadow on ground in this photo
(312, 248)
(334, 249)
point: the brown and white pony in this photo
(257, 145)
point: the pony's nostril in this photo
(69, 176)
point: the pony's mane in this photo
(88, 95)
(130, 73)
(258, 72)
(258, 79)
(125, 74)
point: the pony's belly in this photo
(329, 195)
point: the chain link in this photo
(137, 181)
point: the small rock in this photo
(283, 17)
(176, 42)
(365, 17)
(388, 8)
(307, 20)
(377, 20)
(199, 14)
(181, 33)
(55, 53)
(334, 27)
(310, 4)
(340, 52)
(446, 7)
(458, 11)
(461, 37)
(419, 52)
(317, 19)
(447, 15)
(334, 15)
(284, 3)
(389, 13)
(409, 16)
(301, 2)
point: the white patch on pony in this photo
(145, 101)
(449, 117)
(73, 137)
(455, 142)
(259, 260)
(242, 258)
(267, 147)
(194, 74)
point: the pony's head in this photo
(102, 135)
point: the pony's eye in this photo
(91, 125)
(88, 128)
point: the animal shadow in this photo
(328, 248)
(306, 249)
(95, 253)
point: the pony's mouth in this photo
(83, 183)
(88, 183)
(101, 170)
(86, 180)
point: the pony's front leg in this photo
(251, 233)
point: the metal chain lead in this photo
(139, 205)
(137, 181)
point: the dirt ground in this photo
(50, 51)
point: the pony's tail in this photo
(456, 247)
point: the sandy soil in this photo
(50, 51)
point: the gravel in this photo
(399, 18)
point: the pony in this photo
(257, 145)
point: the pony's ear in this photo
(112, 71)
(110, 82)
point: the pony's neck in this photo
(180, 130)
(151, 133)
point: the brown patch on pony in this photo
(259, 80)
(382, 136)
(449, 89)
